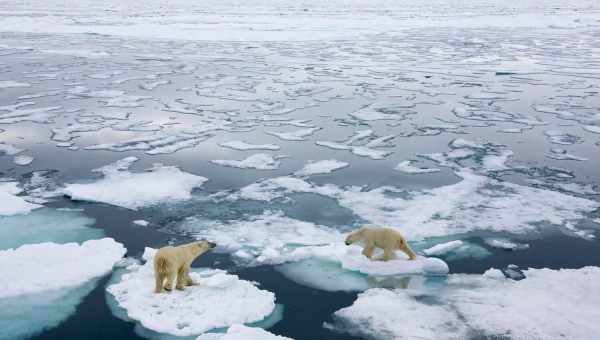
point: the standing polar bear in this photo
(171, 262)
(387, 239)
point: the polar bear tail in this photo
(161, 265)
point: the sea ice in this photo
(321, 167)
(298, 135)
(4, 84)
(504, 243)
(489, 305)
(22, 160)
(259, 161)
(61, 266)
(11, 203)
(135, 190)
(218, 300)
(243, 146)
(241, 332)
(443, 248)
(407, 167)
(141, 223)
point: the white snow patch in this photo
(241, 332)
(141, 223)
(30, 272)
(219, 300)
(134, 190)
(321, 167)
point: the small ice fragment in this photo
(243, 146)
(259, 161)
(321, 167)
(407, 167)
(504, 243)
(22, 160)
(141, 223)
(443, 248)
(241, 332)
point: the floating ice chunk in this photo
(16, 113)
(564, 155)
(134, 190)
(504, 243)
(11, 203)
(61, 266)
(22, 160)
(407, 167)
(592, 128)
(141, 223)
(298, 135)
(562, 138)
(8, 149)
(4, 84)
(381, 314)
(443, 248)
(241, 332)
(325, 275)
(496, 162)
(79, 53)
(219, 300)
(264, 238)
(375, 112)
(272, 188)
(321, 167)
(46, 225)
(259, 161)
(537, 307)
(243, 146)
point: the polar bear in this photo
(171, 262)
(387, 239)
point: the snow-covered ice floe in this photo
(135, 190)
(46, 225)
(11, 203)
(504, 243)
(475, 203)
(48, 281)
(218, 300)
(243, 146)
(321, 167)
(407, 167)
(241, 332)
(304, 250)
(259, 161)
(547, 304)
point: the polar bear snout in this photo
(348, 243)
(212, 245)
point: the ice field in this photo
(274, 128)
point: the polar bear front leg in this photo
(181, 278)
(368, 250)
(170, 278)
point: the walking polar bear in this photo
(174, 262)
(387, 239)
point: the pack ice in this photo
(11, 203)
(48, 281)
(489, 305)
(219, 300)
(118, 186)
(241, 332)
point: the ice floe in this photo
(134, 190)
(61, 266)
(443, 248)
(537, 307)
(476, 202)
(22, 160)
(4, 84)
(9, 149)
(298, 135)
(241, 332)
(321, 167)
(141, 223)
(259, 161)
(407, 167)
(218, 300)
(504, 243)
(46, 225)
(242, 146)
(11, 203)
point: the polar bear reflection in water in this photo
(387, 239)
(172, 263)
